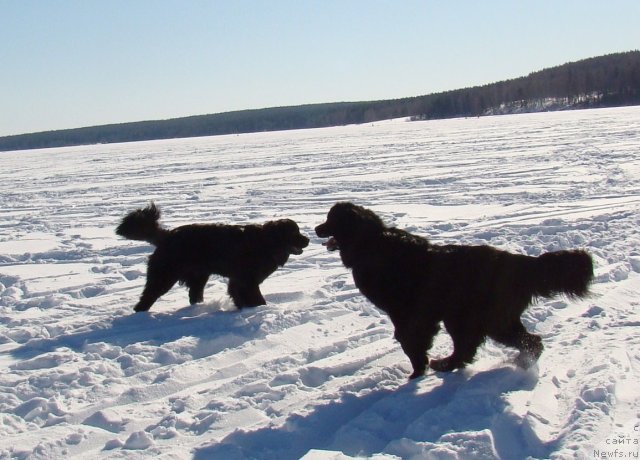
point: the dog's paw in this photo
(525, 360)
(416, 374)
(444, 365)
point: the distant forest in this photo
(606, 81)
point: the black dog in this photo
(477, 291)
(246, 255)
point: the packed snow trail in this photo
(316, 373)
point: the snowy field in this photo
(316, 372)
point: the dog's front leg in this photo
(417, 356)
(415, 342)
(245, 293)
(256, 297)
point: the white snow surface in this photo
(316, 373)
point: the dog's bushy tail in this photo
(563, 272)
(142, 225)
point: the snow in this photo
(315, 373)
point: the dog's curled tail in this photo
(564, 272)
(142, 225)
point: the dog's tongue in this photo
(331, 244)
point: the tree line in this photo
(605, 81)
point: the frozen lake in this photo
(316, 372)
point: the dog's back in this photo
(216, 248)
(405, 271)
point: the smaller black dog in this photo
(246, 254)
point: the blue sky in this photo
(66, 64)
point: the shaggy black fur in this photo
(246, 255)
(477, 291)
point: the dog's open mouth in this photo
(331, 244)
(295, 250)
(296, 246)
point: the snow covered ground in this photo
(316, 372)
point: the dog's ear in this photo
(350, 216)
(280, 229)
(370, 222)
(284, 238)
(272, 226)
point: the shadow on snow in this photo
(156, 328)
(363, 425)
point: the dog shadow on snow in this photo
(364, 425)
(359, 425)
(207, 322)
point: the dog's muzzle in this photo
(297, 248)
(323, 231)
(331, 244)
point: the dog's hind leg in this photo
(530, 351)
(196, 284)
(157, 285)
(160, 278)
(529, 345)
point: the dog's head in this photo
(285, 234)
(347, 223)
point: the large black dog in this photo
(477, 291)
(246, 255)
